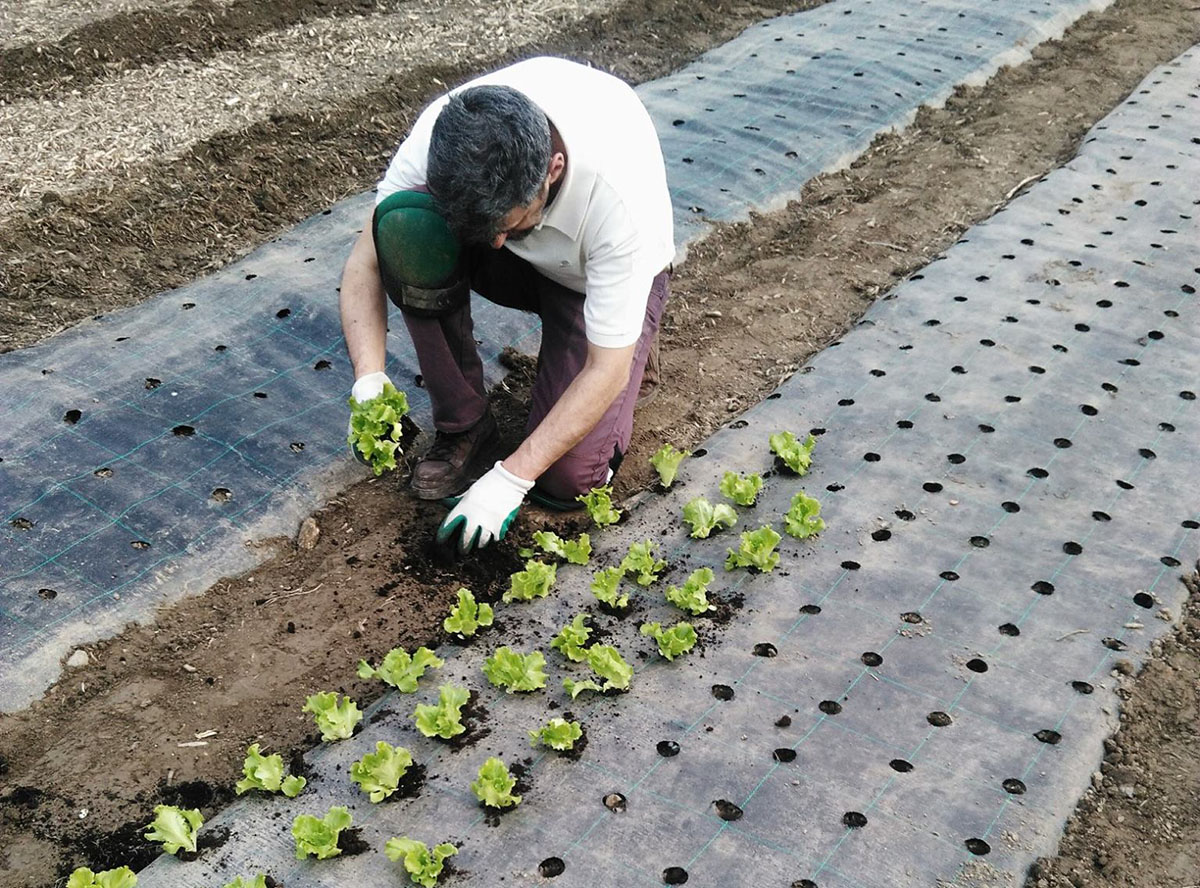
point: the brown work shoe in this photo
(445, 470)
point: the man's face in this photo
(521, 221)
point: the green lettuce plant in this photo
(803, 519)
(704, 517)
(378, 773)
(693, 595)
(265, 772)
(259, 881)
(679, 639)
(494, 785)
(375, 428)
(83, 877)
(666, 462)
(640, 561)
(174, 828)
(576, 551)
(558, 734)
(422, 865)
(605, 584)
(532, 582)
(606, 661)
(401, 670)
(468, 616)
(598, 502)
(757, 550)
(516, 672)
(319, 838)
(445, 718)
(335, 719)
(570, 641)
(742, 489)
(792, 453)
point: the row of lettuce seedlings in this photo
(375, 432)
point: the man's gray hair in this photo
(489, 154)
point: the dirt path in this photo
(240, 659)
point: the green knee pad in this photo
(418, 255)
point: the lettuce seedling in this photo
(422, 865)
(335, 719)
(598, 502)
(640, 560)
(265, 772)
(704, 517)
(445, 719)
(375, 428)
(604, 587)
(757, 550)
(575, 551)
(796, 456)
(468, 616)
(570, 641)
(532, 582)
(174, 828)
(558, 733)
(666, 462)
(742, 489)
(401, 670)
(607, 662)
(320, 837)
(516, 672)
(259, 881)
(494, 785)
(378, 773)
(83, 877)
(679, 639)
(803, 519)
(693, 596)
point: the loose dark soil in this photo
(106, 739)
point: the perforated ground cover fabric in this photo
(110, 509)
(1005, 448)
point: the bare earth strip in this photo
(80, 142)
(106, 738)
(147, 34)
(37, 21)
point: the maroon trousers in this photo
(453, 372)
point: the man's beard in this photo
(520, 235)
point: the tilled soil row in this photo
(128, 40)
(750, 305)
(164, 223)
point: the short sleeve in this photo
(409, 167)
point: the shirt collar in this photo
(567, 210)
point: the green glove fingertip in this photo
(450, 528)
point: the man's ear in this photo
(558, 163)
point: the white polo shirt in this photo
(609, 229)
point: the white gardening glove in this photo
(365, 388)
(485, 511)
(369, 386)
